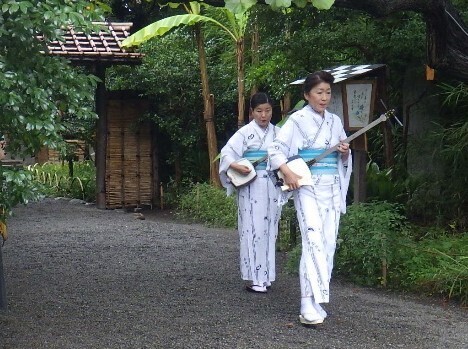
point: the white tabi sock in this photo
(308, 310)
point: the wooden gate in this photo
(129, 176)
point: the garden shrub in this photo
(438, 266)
(370, 245)
(208, 204)
(373, 238)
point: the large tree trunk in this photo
(208, 109)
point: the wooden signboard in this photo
(358, 100)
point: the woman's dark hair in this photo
(316, 78)
(259, 98)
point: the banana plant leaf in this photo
(161, 27)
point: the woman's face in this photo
(319, 97)
(262, 114)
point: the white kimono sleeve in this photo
(231, 152)
(345, 169)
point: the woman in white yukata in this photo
(258, 210)
(308, 133)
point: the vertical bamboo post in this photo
(198, 199)
(161, 196)
(384, 262)
(384, 272)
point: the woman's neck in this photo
(322, 114)
(264, 128)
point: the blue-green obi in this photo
(327, 165)
(254, 155)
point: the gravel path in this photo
(79, 277)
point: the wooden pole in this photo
(3, 299)
(101, 138)
(155, 165)
(359, 174)
(161, 196)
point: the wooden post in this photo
(155, 166)
(3, 237)
(359, 146)
(161, 196)
(3, 299)
(359, 174)
(101, 138)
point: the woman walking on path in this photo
(258, 210)
(307, 133)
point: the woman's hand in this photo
(242, 169)
(291, 179)
(343, 149)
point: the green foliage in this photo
(16, 187)
(377, 247)
(371, 241)
(162, 26)
(210, 205)
(31, 116)
(380, 184)
(438, 266)
(239, 7)
(54, 180)
(441, 197)
(45, 87)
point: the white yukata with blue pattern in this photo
(318, 206)
(258, 209)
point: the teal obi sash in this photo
(327, 165)
(254, 155)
